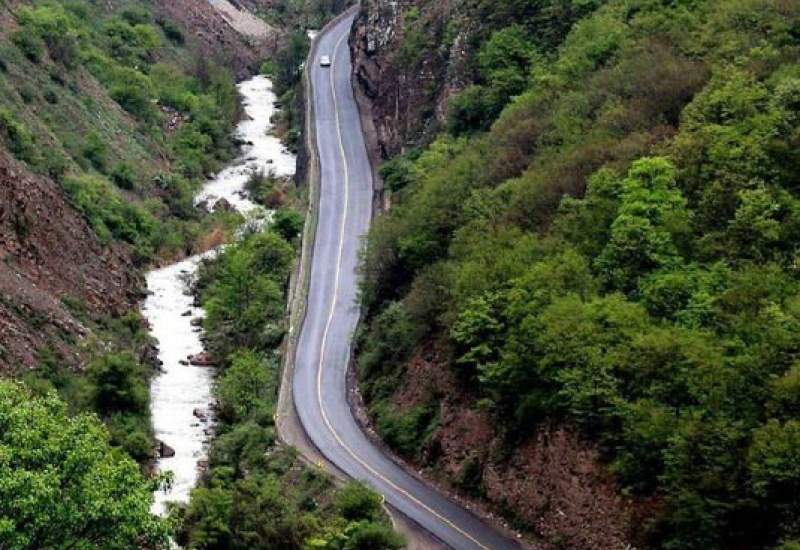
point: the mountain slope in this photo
(589, 261)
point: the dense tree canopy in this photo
(63, 486)
(617, 250)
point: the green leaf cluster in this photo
(615, 249)
(63, 486)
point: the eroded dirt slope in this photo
(51, 262)
(553, 485)
(212, 30)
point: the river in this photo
(180, 395)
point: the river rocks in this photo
(196, 322)
(164, 450)
(186, 313)
(200, 414)
(223, 205)
(184, 362)
(202, 359)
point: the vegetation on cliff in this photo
(606, 235)
(109, 102)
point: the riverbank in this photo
(181, 397)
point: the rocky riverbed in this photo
(181, 397)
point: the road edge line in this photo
(287, 422)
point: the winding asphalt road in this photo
(319, 382)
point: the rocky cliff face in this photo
(53, 268)
(408, 58)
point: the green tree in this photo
(288, 224)
(650, 224)
(209, 514)
(355, 502)
(241, 389)
(63, 486)
(118, 384)
(774, 463)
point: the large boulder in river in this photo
(164, 450)
(223, 205)
(202, 359)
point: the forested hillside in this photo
(109, 108)
(109, 121)
(600, 238)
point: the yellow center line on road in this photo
(334, 299)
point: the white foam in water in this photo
(259, 106)
(180, 389)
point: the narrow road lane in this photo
(319, 383)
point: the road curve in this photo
(319, 381)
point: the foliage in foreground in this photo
(63, 486)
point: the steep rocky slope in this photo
(406, 79)
(217, 30)
(99, 154)
(51, 259)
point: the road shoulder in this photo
(290, 429)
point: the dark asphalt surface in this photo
(319, 383)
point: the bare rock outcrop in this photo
(406, 79)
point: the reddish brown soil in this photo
(555, 482)
(49, 256)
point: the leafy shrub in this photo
(288, 224)
(95, 151)
(373, 536)
(356, 502)
(397, 172)
(131, 433)
(27, 93)
(123, 176)
(17, 138)
(243, 386)
(133, 91)
(29, 44)
(135, 15)
(52, 25)
(171, 30)
(51, 96)
(53, 164)
(405, 431)
(109, 215)
(118, 384)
